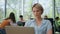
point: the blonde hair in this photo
(38, 6)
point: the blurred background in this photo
(24, 7)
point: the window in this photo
(2, 10)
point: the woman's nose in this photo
(35, 12)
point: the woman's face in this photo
(36, 12)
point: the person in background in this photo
(31, 18)
(45, 17)
(21, 22)
(40, 25)
(57, 24)
(8, 21)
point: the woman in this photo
(40, 25)
(9, 21)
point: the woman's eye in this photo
(37, 10)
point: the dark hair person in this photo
(12, 17)
(21, 22)
(7, 21)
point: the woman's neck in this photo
(38, 21)
(38, 18)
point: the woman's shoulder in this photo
(6, 21)
(29, 22)
(46, 21)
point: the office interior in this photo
(24, 7)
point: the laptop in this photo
(19, 30)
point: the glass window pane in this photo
(27, 6)
(57, 8)
(2, 10)
(48, 8)
(14, 6)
